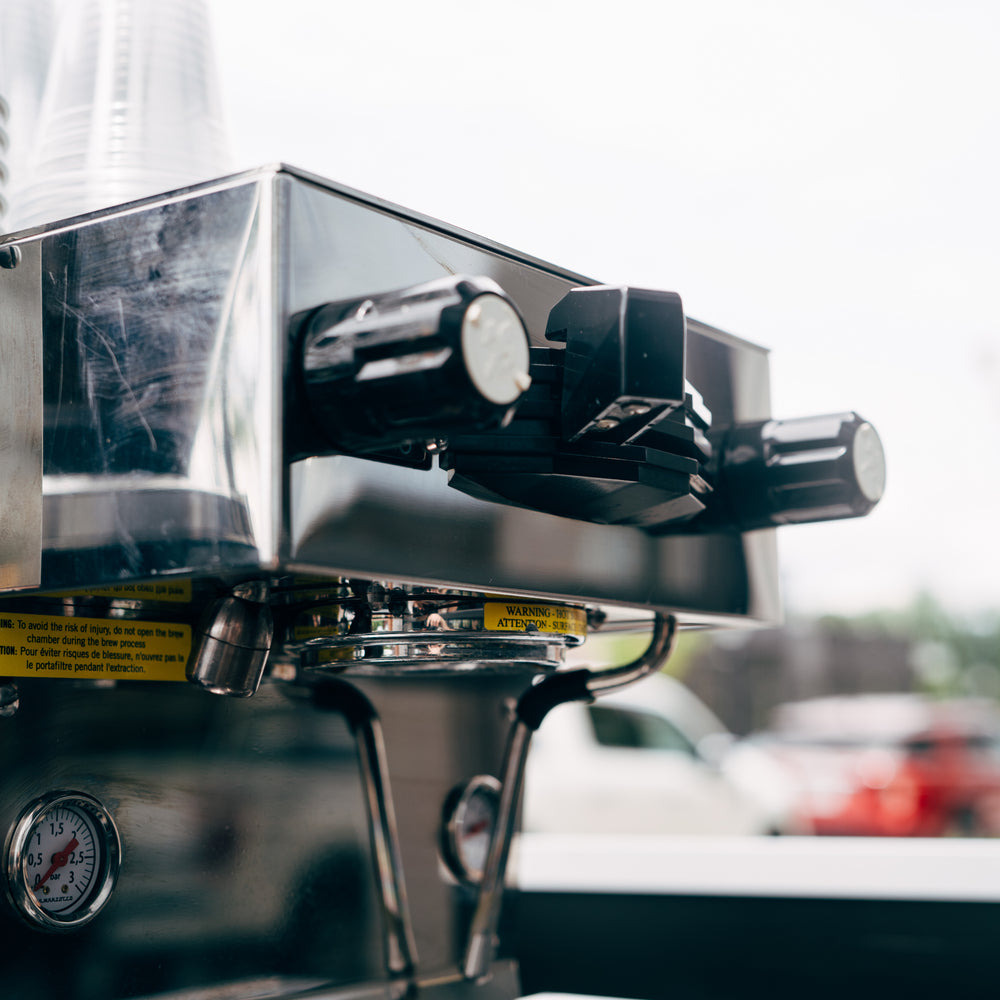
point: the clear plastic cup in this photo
(26, 33)
(131, 108)
(4, 146)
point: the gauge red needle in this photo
(480, 827)
(58, 860)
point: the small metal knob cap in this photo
(495, 349)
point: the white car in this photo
(651, 759)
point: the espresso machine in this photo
(307, 498)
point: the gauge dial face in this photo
(470, 815)
(63, 856)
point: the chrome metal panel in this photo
(159, 450)
(245, 839)
(236, 819)
(21, 418)
(168, 324)
(371, 519)
(439, 733)
(344, 245)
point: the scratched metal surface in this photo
(156, 383)
(168, 391)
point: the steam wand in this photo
(532, 707)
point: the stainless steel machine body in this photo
(170, 513)
(159, 337)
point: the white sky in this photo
(821, 178)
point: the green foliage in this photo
(617, 648)
(952, 654)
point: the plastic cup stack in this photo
(130, 108)
(26, 31)
(4, 147)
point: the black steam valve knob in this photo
(414, 365)
(792, 471)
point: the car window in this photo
(625, 727)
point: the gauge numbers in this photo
(63, 856)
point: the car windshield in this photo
(624, 727)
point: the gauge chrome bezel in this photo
(454, 817)
(108, 864)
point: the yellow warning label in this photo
(323, 654)
(513, 617)
(51, 646)
(178, 591)
(303, 632)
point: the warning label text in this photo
(534, 618)
(46, 645)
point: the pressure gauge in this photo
(62, 860)
(468, 820)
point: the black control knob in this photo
(624, 359)
(610, 431)
(791, 471)
(414, 365)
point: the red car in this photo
(892, 765)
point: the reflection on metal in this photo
(384, 628)
(400, 947)
(532, 708)
(244, 832)
(433, 653)
(21, 420)
(10, 700)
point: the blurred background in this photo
(816, 177)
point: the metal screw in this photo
(10, 257)
(636, 409)
(606, 424)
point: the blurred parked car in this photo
(651, 759)
(892, 765)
